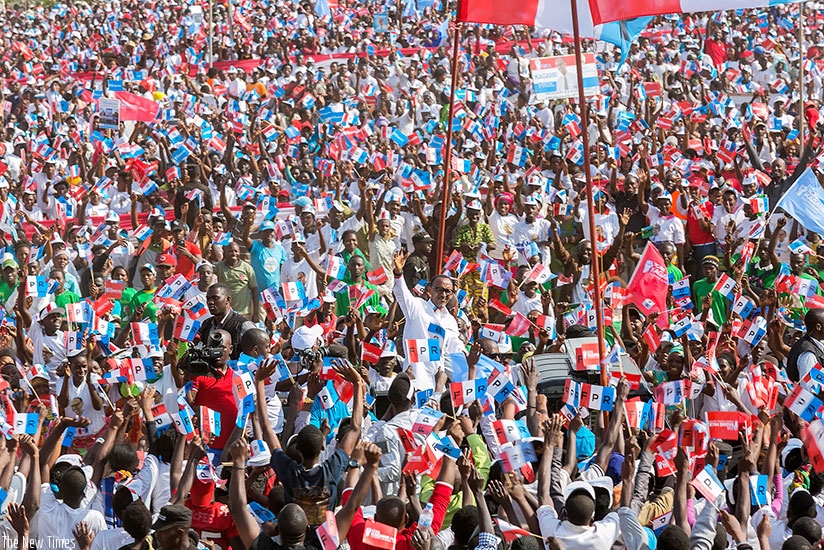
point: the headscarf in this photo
(505, 197)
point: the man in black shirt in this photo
(417, 265)
(219, 302)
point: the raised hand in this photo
(372, 453)
(498, 490)
(399, 260)
(84, 535)
(465, 464)
(476, 480)
(16, 515)
(530, 374)
(240, 451)
(624, 217)
(347, 371)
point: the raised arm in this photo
(196, 452)
(266, 370)
(615, 422)
(348, 372)
(346, 514)
(247, 526)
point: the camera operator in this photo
(214, 390)
(219, 302)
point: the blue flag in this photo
(804, 201)
(623, 33)
(322, 8)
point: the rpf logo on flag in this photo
(708, 484)
(420, 350)
(725, 286)
(336, 267)
(209, 421)
(426, 420)
(257, 447)
(464, 393)
(186, 329)
(293, 291)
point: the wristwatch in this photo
(352, 465)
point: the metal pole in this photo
(594, 267)
(801, 53)
(447, 184)
(211, 33)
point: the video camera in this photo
(199, 360)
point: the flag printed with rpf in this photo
(336, 267)
(293, 291)
(186, 329)
(209, 421)
(540, 274)
(708, 484)
(725, 286)
(426, 420)
(804, 201)
(803, 403)
(328, 532)
(423, 350)
(511, 532)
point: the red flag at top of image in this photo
(648, 286)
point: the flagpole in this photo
(211, 33)
(447, 183)
(594, 267)
(802, 114)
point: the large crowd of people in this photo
(225, 322)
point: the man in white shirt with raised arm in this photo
(427, 319)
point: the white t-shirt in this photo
(669, 228)
(299, 271)
(721, 218)
(80, 404)
(53, 524)
(53, 347)
(601, 535)
(111, 539)
(502, 227)
(537, 231)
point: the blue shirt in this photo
(333, 415)
(267, 262)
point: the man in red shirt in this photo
(714, 45)
(699, 226)
(391, 511)
(188, 253)
(215, 391)
(211, 519)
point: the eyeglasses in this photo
(442, 290)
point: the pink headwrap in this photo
(505, 197)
